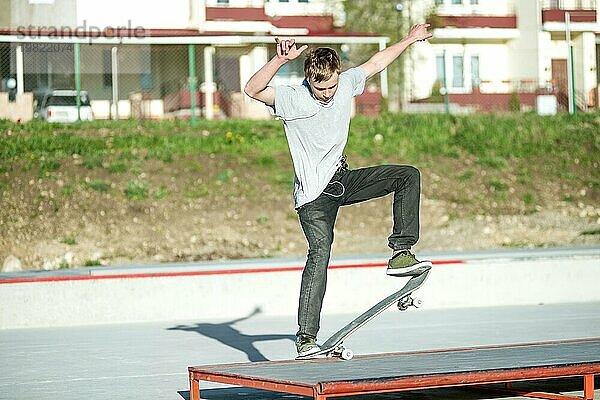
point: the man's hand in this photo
(418, 33)
(257, 86)
(286, 49)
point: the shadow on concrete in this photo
(236, 393)
(228, 335)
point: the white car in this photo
(61, 106)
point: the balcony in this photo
(489, 8)
(582, 11)
(477, 21)
(499, 18)
(474, 28)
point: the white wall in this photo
(48, 13)
(144, 13)
(476, 283)
(524, 51)
(585, 63)
(493, 67)
(485, 7)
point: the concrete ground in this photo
(150, 360)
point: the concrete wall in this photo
(525, 52)
(43, 13)
(134, 13)
(222, 291)
(19, 110)
(5, 17)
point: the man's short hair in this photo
(321, 63)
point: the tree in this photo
(380, 17)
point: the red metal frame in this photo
(325, 390)
(336, 389)
(588, 391)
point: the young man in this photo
(316, 117)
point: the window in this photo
(475, 79)
(439, 2)
(222, 1)
(67, 100)
(458, 79)
(474, 2)
(302, 1)
(457, 2)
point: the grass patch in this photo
(465, 176)
(160, 193)
(567, 198)
(492, 162)
(69, 240)
(498, 185)
(92, 162)
(92, 263)
(264, 161)
(46, 167)
(197, 192)
(67, 190)
(99, 186)
(225, 175)
(492, 139)
(562, 149)
(117, 168)
(591, 232)
(529, 198)
(136, 190)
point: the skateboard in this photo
(334, 347)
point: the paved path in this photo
(149, 361)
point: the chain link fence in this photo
(190, 80)
(155, 81)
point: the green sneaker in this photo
(405, 264)
(306, 345)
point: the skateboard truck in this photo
(409, 301)
(342, 352)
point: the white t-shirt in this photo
(316, 133)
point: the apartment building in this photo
(488, 51)
(151, 51)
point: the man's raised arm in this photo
(258, 85)
(385, 57)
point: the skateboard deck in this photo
(333, 347)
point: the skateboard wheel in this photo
(417, 302)
(347, 354)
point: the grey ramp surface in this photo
(381, 367)
(150, 360)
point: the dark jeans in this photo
(318, 219)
